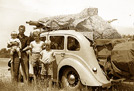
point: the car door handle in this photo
(62, 54)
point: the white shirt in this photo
(36, 47)
(15, 40)
(47, 56)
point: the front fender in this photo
(86, 76)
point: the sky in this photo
(16, 12)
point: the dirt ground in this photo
(4, 73)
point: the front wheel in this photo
(70, 80)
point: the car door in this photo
(57, 46)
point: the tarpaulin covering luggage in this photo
(87, 20)
(122, 59)
(105, 46)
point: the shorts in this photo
(15, 48)
(35, 59)
(48, 69)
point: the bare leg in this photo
(11, 55)
(31, 68)
(19, 53)
(35, 75)
(43, 70)
(50, 75)
(50, 82)
(11, 58)
(35, 79)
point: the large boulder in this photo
(87, 20)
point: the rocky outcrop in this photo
(87, 20)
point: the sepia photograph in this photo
(66, 45)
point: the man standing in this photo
(24, 58)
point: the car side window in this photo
(73, 44)
(57, 42)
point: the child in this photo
(47, 59)
(14, 44)
(36, 47)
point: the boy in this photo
(14, 45)
(36, 47)
(47, 59)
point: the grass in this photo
(123, 87)
(7, 85)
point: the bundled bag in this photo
(122, 60)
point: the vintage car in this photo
(76, 64)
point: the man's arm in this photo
(26, 48)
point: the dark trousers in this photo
(15, 67)
(25, 66)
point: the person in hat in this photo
(14, 45)
(47, 58)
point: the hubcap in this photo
(71, 79)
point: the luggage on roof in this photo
(87, 20)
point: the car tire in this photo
(70, 80)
